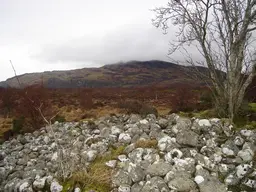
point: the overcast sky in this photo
(43, 35)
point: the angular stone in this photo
(39, 183)
(124, 138)
(136, 172)
(182, 184)
(124, 188)
(56, 187)
(155, 184)
(163, 123)
(159, 168)
(210, 185)
(188, 138)
(121, 178)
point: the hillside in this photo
(129, 74)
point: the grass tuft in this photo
(150, 143)
(98, 175)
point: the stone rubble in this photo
(191, 155)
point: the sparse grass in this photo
(253, 106)
(162, 110)
(206, 114)
(185, 114)
(251, 125)
(150, 143)
(5, 125)
(77, 114)
(98, 175)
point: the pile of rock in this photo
(191, 155)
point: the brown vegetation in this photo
(150, 143)
(19, 107)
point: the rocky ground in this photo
(160, 154)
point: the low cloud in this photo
(129, 43)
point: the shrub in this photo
(8, 134)
(85, 98)
(91, 124)
(7, 100)
(30, 99)
(245, 115)
(146, 109)
(205, 101)
(17, 125)
(137, 107)
(184, 99)
(59, 118)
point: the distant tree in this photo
(184, 99)
(86, 100)
(222, 32)
(30, 99)
(7, 100)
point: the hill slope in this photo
(133, 73)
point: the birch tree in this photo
(222, 33)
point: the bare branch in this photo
(222, 32)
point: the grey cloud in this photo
(129, 43)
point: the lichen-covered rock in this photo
(39, 183)
(91, 155)
(122, 178)
(188, 138)
(155, 184)
(136, 172)
(159, 168)
(124, 138)
(204, 122)
(124, 188)
(56, 187)
(182, 184)
(165, 143)
(136, 187)
(111, 163)
(190, 155)
(211, 184)
(163, 123)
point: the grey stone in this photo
(124, 138)
(56, 187)
(188, 138)
(124, 188)
(136, 155)
(111, 163)
(2, 174)
(39, 183)
(159, 168)
(137, 187)
(2, 155)
(165, 143)
(210, 185)
(182, 184)
(239, 141)
(91, 155)
(163, 123)
(121, 178)
(155, 184)
(136, 172)
(242, 170)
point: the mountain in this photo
(129, 74)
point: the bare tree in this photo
(222, 32)
(66, 161)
